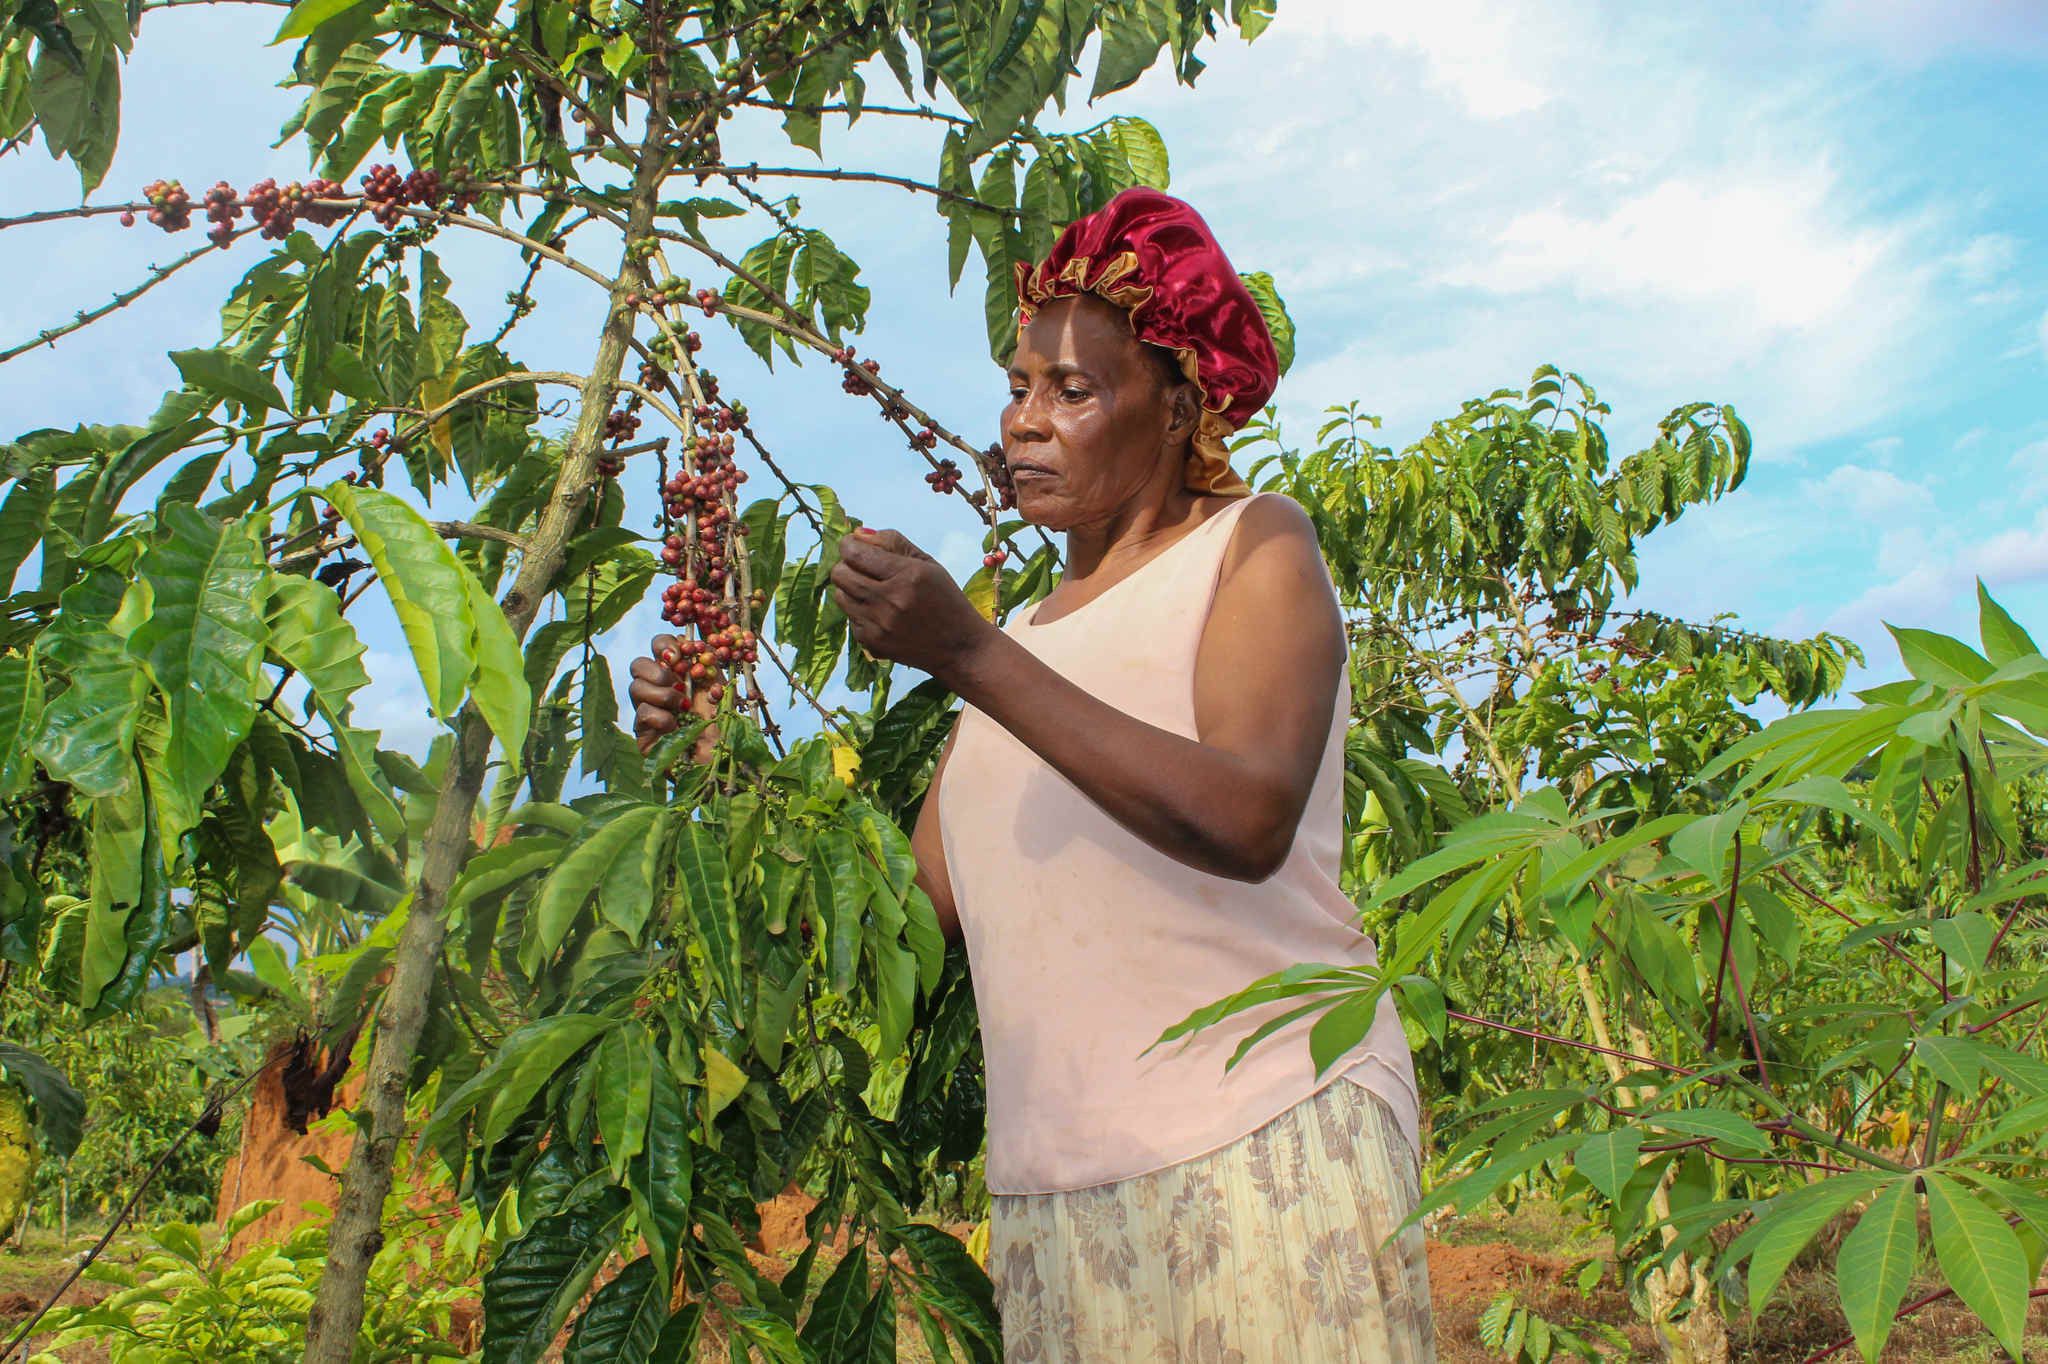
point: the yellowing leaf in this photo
(981, 590)
(977, 1243)
(433, 393)
(723, 1081)
(845, 762)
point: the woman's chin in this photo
(1033, 500)
(1036, 504)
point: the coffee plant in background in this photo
(190, 1299)
(1801, 964)
(634, 1012)
(146, 1070)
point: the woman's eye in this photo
(1016, 395)
(1074, 395)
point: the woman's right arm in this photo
(930, 850)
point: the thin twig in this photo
(470, 530)
(1885, 942)
(1900, 1315)
(755, 170)
(920, 111)
(157, 275)
(1498, 1026)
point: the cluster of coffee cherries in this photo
(945, 478)
(654, 370)
(855, 381)
(383, 443)
(996, 465)
(388, 193)
(719, 418)
(496, 43)
(223, 206)
(702, 595)
(170, 207)
(278, 209)
(672, 292)
(620, 425)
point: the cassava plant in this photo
(636, 993)
(1801, 963)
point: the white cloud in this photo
(1480, 54)
(1865, 493)
(395, 704)
(2029, 464)
(1930, 588)
(2044, 336)
(1759, 241)
(1673, 226)
(1984, 258)
(2013, 556)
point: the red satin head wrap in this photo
(1153, 256)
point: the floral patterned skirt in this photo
(1271, 1250)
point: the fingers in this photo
(658, 709)
(650, 723)
(655, 685)
(851, 582)
(878, 553)
(646, 669)
(896, 542)
(655, 696)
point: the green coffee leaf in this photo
(428, 588)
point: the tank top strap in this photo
(1170, 592)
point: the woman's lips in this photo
(1029, 471)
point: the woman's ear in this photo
(1183, 413)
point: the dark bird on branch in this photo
(337, 574)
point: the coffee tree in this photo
(631, 1012)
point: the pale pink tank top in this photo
(1086, 943)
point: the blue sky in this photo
(1828, 215)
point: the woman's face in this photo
(1091, 410)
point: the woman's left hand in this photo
(903, 605)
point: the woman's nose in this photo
(1026, 421)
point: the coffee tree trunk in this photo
(355, 1235)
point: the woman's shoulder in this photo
(1271, 522)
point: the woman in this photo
(1139, 811)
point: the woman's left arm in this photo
(1266, 680)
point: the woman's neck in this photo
(1162, 510)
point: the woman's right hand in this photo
(659, 701)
